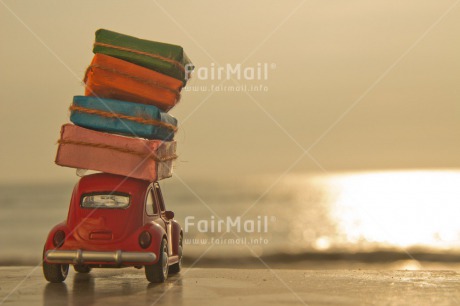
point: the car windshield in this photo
(105, 200)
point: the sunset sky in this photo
(351, 85)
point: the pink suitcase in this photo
(149, 160)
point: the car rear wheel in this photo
(55, 273)
(81, 269)
(158, 273)
(175, 268)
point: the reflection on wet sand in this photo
(251, 286)
(55, 295)
(112, 288)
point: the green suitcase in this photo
(164, 58)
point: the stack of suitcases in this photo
(121, 125)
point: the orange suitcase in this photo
(112, 78)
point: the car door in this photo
(167, 222)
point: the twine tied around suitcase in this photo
(150, 155)
(122, 116)
(138, 79)
(156, 56)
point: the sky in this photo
(350, 85)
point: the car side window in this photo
(159, 197)
(150, 206)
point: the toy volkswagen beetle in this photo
(114, 221)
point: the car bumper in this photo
(115, 257)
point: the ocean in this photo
(366, 216)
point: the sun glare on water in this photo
(406, 208)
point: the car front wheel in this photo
(158, 273)
(55, 273)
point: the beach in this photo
(304, 243)
(219, 286)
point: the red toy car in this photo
(115, 221)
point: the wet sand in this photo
(218, 286)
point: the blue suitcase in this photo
(121, 117)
